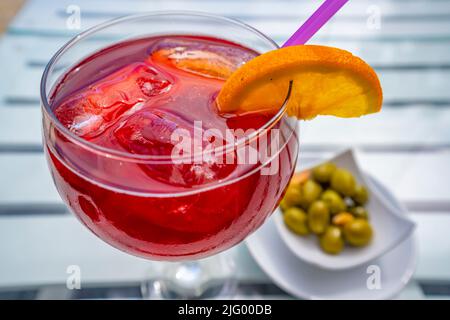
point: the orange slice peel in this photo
(325, 81)
(204, 63)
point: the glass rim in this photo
(123, 155)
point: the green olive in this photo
(343, 182)
(284, 205)
(361, 195)
(334, 201)
(360, 212)
(331, 241)
(322, 173)
(311, 191)
(296, 220)
(292, 198)
(358, 232)
(318, 217)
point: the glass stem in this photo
(201, 279)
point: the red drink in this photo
(115, 167)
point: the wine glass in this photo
(115, 194)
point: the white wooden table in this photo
(407, 145)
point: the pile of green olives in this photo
(328, 202)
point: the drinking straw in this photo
(315, 22)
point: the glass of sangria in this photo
(140, 154)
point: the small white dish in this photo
(304, 280)
(389, 222)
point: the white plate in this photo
(305, 280)
(387, 217)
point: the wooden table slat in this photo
(45, 261)
(418, 179)
(426, 127)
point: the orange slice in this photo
(204, 63)
(325, 81)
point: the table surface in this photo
(406, 146)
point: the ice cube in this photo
(149, 132)
(200, 56)
(91, 111)
(132, 84)
(80, 117)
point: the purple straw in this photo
(315, 22)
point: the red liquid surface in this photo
(123, 99)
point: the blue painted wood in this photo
(407, 145)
